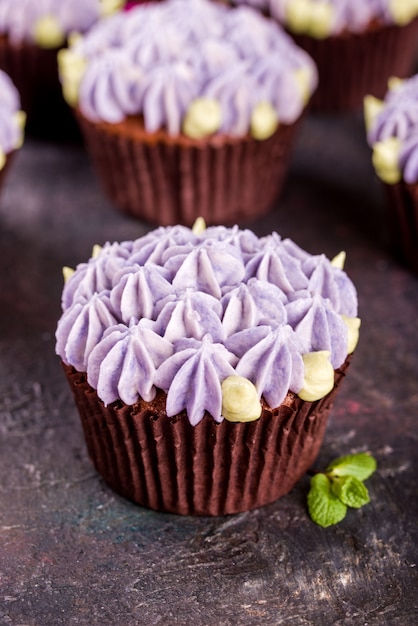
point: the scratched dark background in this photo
(72, 552)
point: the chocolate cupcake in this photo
(188, 108)
(392, 133)
(204, 364)
(356, 44)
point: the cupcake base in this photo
(168, 180)
(353, 65)
(403, 213)
(167, 464)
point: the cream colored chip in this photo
(72, 67)
(96, 251)
(199, 226)
(314, 18)
(319, 376)
(372, 107)
(264, 121)
(2, 158)
(240, 401)
(385, 160)
(403, 11)
(339, 260)
(107, 7)
(353, 327)
(67, 272)
(48, 33)
(202, 118)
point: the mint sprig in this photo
(361, 465)
(339, 487)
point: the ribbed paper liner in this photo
(169, 465)
(166, 180)
(351, 66)
(403, 213)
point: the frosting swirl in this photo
(124, 363)
(182, 310)
(167, 61)
(12, 119)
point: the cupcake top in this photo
(392, 131)
(47, 23)
(12, 119)
(210, 316)
(322, 18)
(190, 66)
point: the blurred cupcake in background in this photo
(392, 133)
(31, 33)
(188, 108)
(356, 44)
(12, 122)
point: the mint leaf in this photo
(324, 507)
(350, 490)
(361, 466)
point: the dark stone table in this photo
(72, 552)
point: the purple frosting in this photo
(10, 128)
(157, 59)
(399, 118)
(181, 311)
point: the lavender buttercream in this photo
(393, 131)
(123, 364)
(203, 364)
(318, 325)
(321, 18)
(96, 275)
(159, 60)
(182, 310)
(12, 119)
(82, 326)
(270, 358)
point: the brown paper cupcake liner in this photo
(169, 465)
(353, 65)
(403, 215)
(165, 180)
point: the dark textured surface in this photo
(72, 552)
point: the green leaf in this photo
(361, 466)
(351, 491)
(324, 507)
